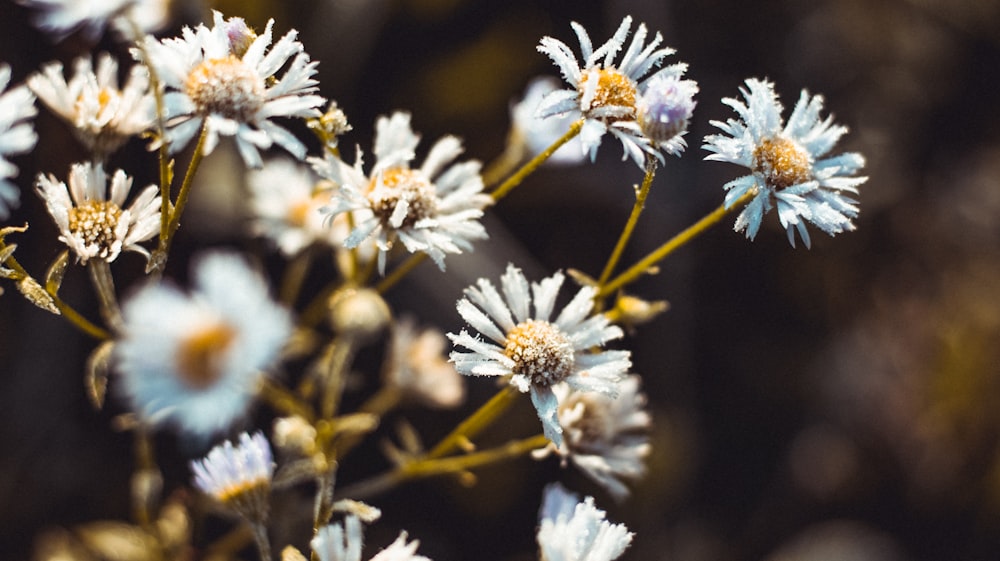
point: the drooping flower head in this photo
(62, 17)
(788, 163)
(225, 79)
(664, 111)
(570, 530)
(534, 350)
(17, 136)
(606, 437)
(103, 116)
(94, 225)
(195, 360)
(239, 477)
(434, 209)
(606, 94)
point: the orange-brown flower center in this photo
(783, 162)
(614, 89)
(227, 87)
(540, 351)
(394, 186)
(95, 222)
(202, 353)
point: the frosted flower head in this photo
(103, 116)
(195, 360)
(17, 136)
(434, 209)
(534, 350)
(664, 111)
(536, 134)
(570, 530)
(336, 542)
(62, 17)
(606, 437)
(213, 78)
(286, 198)
(416, 365)
(606, 94)
(239, 477)
(92, 223)
(788, 163)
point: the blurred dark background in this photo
(841, 402)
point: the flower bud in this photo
(665, 108)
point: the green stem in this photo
(185, 190)
(527, 169)
(284, 401)
(429, 467)
(643, 266)
(512, 155)
(633, 219)
(295, 275)
(340, 359)
(475, 423)
(104, 285)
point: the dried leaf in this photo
(35, 294)
(96, 377)
(366, 512)
(290, 553)
(54, 276)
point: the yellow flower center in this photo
(783, 162)
(614, 89)
(201, 355)
(387, 191)
(95, 222)
(540, 351)
(299, 213)
(227, 87)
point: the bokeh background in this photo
(836, 403)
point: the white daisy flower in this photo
(17, 136)
(416, 365)
(286, 198)
(63, 17)
(570, 530)
(606, 437)
(195, 360)
(535, 133)
(605, 94)
(103, 116)
(536, 352)
(336, 542)
(94, 225)
(239, 477)
(224, 78)
(788, 169)
(433, 209)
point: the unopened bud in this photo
(358, 312)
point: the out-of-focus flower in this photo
(536, 352)
(570, 530)
(16, 136)
(286, 197)
(534, 134)
(195, 361)
(239, 477)
(225, 79)
(787, 166)
(606, 94)
(606, 437)
(417, 367)
(94, 225)
(62, 17)
(337, 542)
(434, 209)
(103, 116)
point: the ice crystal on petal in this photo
(535, 350)
(790, 169)
(571, 530)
